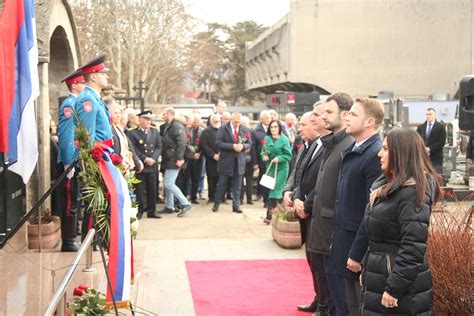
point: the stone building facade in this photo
(411, 47)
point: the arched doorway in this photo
(61, 63)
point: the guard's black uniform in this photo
(147, 144)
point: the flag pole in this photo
(4, 163)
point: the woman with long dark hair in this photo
(276, 152)
(395, 277)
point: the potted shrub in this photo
(50, 231)
(286, 228)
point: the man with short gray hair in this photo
(232, 141)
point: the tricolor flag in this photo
(19, 86)
(120, 250)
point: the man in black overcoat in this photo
(302, 181)
(337, 107)
(210, 151)
(258, 134)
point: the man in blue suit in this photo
(360, 166)
(67, 154)
(232, 141)
(93, 113)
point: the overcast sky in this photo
(265, 12)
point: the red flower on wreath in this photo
(97, 154)
(116, 159)
(78, 292)
(83, 287)
(247, 135)
(188, 136)
(264, 142)
(197, 140)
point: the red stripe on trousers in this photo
(68, 197)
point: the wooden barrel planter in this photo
(50, 233)
(286, 234)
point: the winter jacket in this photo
(324, 202)
(174, 144)
(396, 228)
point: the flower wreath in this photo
(94, 191)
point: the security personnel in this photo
(91, 110)
(67, 154)
(147, 143)
(93, 113)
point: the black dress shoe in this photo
(194, 202)
(215, 208)
(250, 203)
(237, 210)
(70, 245)
(307, 308)
(166, 211)
(153, 215)
(160, 201)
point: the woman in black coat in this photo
(395, 275)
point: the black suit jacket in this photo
(209, 149)
(227, 155)
(435, 141)
(146, 145)
(258, 134)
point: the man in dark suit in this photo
(210, 151)
(258, 134)
(337, 108)
(359, 168)
(232, 141)
(146, 141)
(193, 168)
(302, 180)
(434, 134)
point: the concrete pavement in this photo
(164, 245)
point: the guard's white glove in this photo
(71, 173)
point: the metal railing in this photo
(58, 302)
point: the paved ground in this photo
(161, 250)
(164, 245)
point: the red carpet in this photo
(250, 287)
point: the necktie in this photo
(236, 136)
(428, 131)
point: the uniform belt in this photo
(382, 247)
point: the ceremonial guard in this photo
(67, 154)
(147, 143)
(93, 113)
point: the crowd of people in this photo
(363, 201)
(364, 204)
